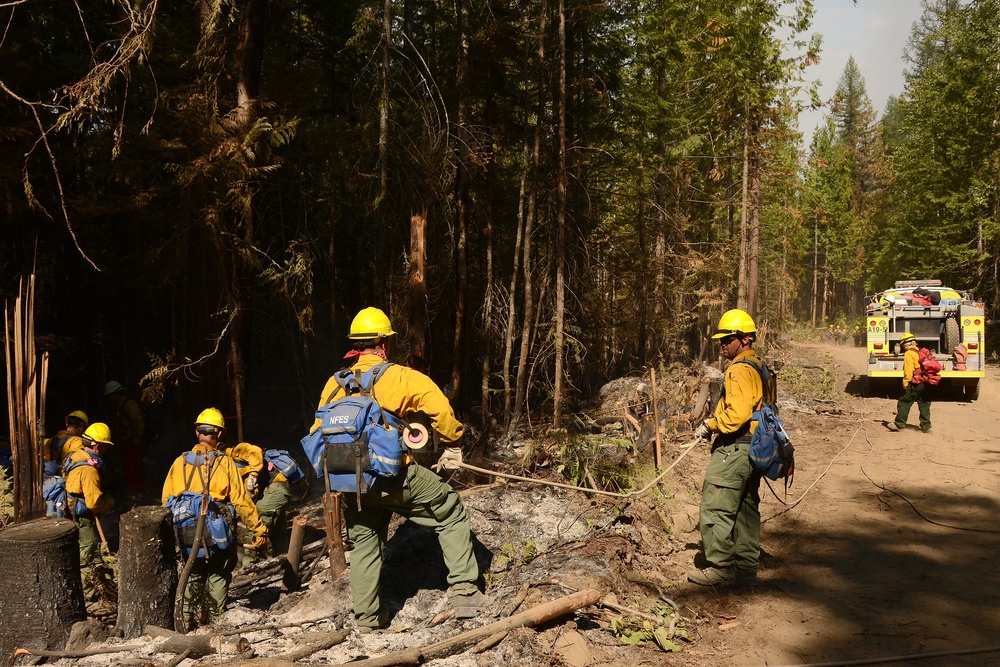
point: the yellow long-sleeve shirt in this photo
(85, 481)
(60, 446)
(911, 362)
(403, 392)
(224, 484)
(250, 459)
(743, 394)
(131, 424)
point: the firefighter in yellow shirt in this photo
(66, 440)
(86, 500)
(416, 493)
(130, 430)
(214, 573)
(270, 489)
(730, 497)
(913, 390)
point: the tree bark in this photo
(147, 570)
(383, 107)
(560, 328)
(741, 294)
(459, 349)
(753, 288)
(508, 343)
(26, 403)
(529, 226)
(417, 333)
(249, 59)
(41, 595)
(815, 286)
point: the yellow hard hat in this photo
(211, 417)
(735, 322)
(907, 338)
(79, 414)
(370, 323)
(98, 432)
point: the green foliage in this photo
(640, 631)
(6, 498)
(599, 455)
(511, 558)
(940, 217)
(809, 383)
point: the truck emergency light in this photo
(918, 283)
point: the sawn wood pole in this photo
(526, 619)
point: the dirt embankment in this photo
(891, 551)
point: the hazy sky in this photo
(874, 32)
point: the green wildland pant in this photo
(90, 554)
(730, 510)
(209, 582)
(914, 392)
(273, 510)
(420, 496)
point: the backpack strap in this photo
(346, 382)
(769, 390)
(371, 376)
(195, 461)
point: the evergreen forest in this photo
(542, 194)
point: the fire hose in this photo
(492, 473)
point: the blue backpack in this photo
(279, 460)
(59, 503)
(186, 506)
(357, 441)
(771, 450)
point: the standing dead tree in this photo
(26, 380)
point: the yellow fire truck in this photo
(948, 322)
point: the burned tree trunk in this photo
(41, 595)
(147, 570)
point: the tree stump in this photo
(147, 570)
(41, 595)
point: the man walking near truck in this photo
(913, 389)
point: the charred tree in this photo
(41, 595)
(417, 332)
(460, 346)
(147, 570)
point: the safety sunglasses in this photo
(728, 340)
(207, 430)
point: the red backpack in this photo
(929, 369)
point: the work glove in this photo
(259, 543)
(451, 459)
(702, 432)
(251, 483)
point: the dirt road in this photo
(855, 571)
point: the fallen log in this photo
(327, 640)
(529, 618)
(199, 644)
(83, 653)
